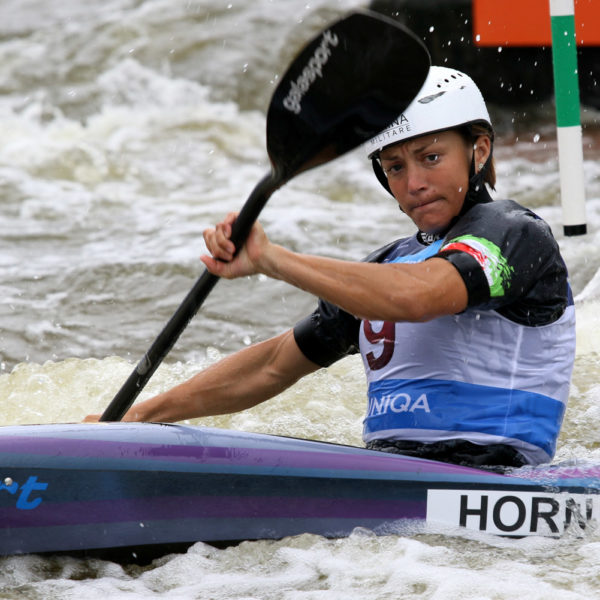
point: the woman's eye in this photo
(432, 158)
(393, 169)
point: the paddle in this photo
(344, 87)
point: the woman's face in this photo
(429, 176)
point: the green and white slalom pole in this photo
(568, 120)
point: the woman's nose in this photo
(415, 179)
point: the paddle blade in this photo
(345, 86)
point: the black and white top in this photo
(498, 372)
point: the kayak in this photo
(109, 486)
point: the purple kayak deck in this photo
(85, 487)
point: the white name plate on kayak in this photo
(512, 513)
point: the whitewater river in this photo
(127, 127)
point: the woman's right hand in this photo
(223, 260)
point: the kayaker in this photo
(466, 328)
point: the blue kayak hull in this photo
(85, 487)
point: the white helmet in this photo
(447, 99)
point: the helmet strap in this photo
(379, 173)
(476, 181)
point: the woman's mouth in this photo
(425, 203)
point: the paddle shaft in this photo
(146, 367)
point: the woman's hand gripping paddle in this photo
(344, 87)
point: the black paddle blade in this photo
(345, 86)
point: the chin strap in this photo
(476, 183)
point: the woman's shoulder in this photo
(505, 208)
(503, 217)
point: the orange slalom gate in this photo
(527, 22)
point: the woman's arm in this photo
(237, 382)
(378, 292)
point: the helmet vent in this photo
(431, 98)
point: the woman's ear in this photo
(481, 149)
